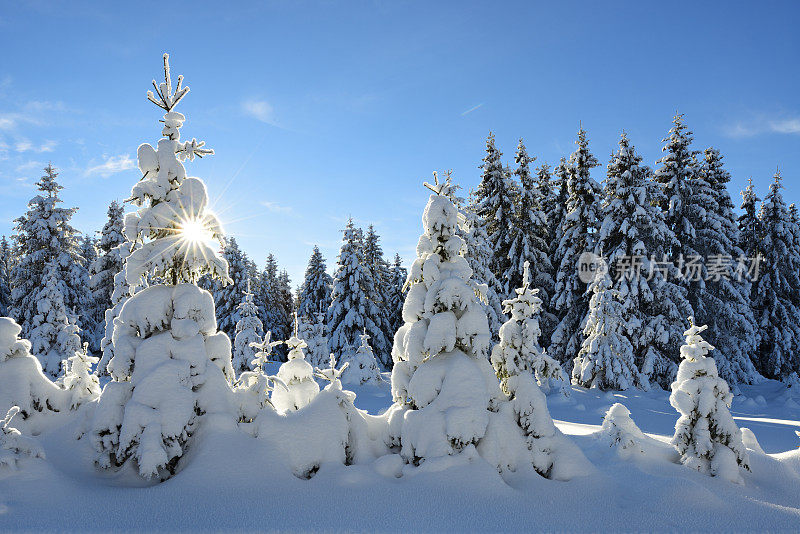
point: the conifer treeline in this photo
(670, 238)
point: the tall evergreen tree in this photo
(632, 234)
(776, 293)
(378, 269)
(249, 330)
(555, 206)
(530, 236)
(227, 297)
(105, 267)
(720, 299)
(678, 168)
(478, 253)
(395, 295)
(285, 303)
(267, 297)
(351, 313)
(571, 299)
(749, 224)
(315, 293)
(43, 235)
(5, 276)
(495, 204)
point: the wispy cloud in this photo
(470, 110)
(763, 125)
(260, 110)
(111, 165)
(274, 207)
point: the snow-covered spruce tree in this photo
(249, 330)
(363, 367)
(447, 399)
(252, 389)
(298, 376)
(82, 385)
(44, 235)
(706, 436)
(54, 334)
(352, 312)
(5, 276)
(315, 293)
(619, 431)
(519, 351)
(556, 209)
(379, 271)
(633, 233)
(13, 445)
(570, 298)
(105, 267)
(171, 367)
(495, 200)
(227, 297)
(722, 299)
(749, 223)
(312, 330)
(395, 295)
(478, 254)
(776, 300)
(530, 231)
(606, 359)
(442, 383)
(22, 382)
(678, 169)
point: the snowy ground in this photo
(234, 482)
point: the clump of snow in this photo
(706, 436)
(22, 382)
(621, 432)
(749, 440)
(13, 445)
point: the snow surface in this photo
(234, 481)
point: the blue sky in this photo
(323, 110)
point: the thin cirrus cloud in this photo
(763, 126)
(274, 207)
(111, 165)
(24, 145)
(260, 110)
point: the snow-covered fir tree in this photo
(581, 221)
(171, 367)
(44, 235)
(379, 270)
(312, 330)
(227, 297)
(748, 222)
(395, 295)
(297, 375)
(249, 330)
(675, 175)
(104, 268)
(5, 276)
(606, 359)
(54, 335)
(478, 253)
(632, 235)
(363, 367)
(252, 389)
(79, 380)
(706, 436)
(530, 236)
(447, 399)
(495, 200)
(516, 360)
(274, 300)
(721, 299)
(442, 383)
(315, 292)
(776, 299)
(352, 312)
(556, 207)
